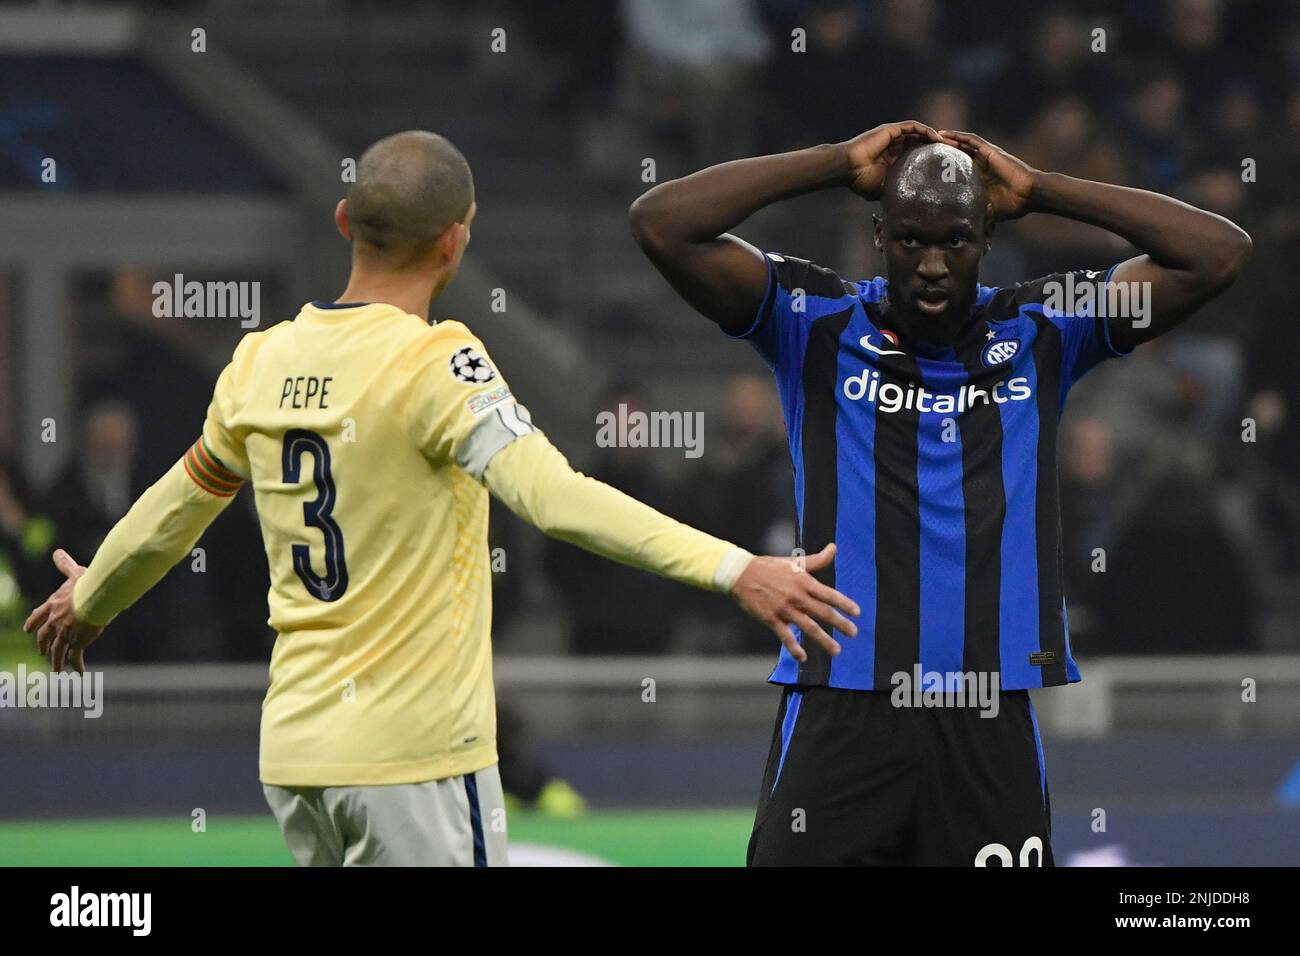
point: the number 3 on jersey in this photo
(316, 514)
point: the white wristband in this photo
(730, 568)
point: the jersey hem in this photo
(782, 682)
(377, 774)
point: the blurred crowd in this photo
(1180, 466)
(740, 490)
(143, 384)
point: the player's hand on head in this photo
(870, 154)
(60, 634)
(1010, 180)
(781, 591)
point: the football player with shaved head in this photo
(372, 438)
(922, 410)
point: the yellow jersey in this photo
(365, 432)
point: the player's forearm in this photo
(158, 531)
(1172, 233)
(704, 205)
(534, 481)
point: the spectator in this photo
(100, 480)
(1163, 565)
(152, 364)
(94, 490)
(613, 609)
(944, 107)
(836, 45)
(1057, 63)
(1066, 138)
(1094, 507)
(691, 69)
(746, 493)
(1193, 39)
(906, 45)
(1154, 122)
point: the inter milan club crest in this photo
(999, 351)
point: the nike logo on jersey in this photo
(888, 336)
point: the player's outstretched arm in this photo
(157, 532)
(534, 481)
(1189, 255)
(682, 225)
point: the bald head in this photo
(935, 230)
(935, 177)
(410, 187)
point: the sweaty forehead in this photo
(931, 209)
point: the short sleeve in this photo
(462, 410)
(798, 293)
(1078, 304)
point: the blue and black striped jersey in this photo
(934, 471)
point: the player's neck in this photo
(410, 292)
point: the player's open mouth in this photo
(932, 302)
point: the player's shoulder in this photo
(450, 331)
(796, 275)
(251, 345)
(1065, 293)
(436, 341)
(871, 291)
(250, 342)
(449, 353)
(240, 373)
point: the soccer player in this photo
(922, 412)
(371, 440)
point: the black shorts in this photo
(853, 780)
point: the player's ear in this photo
(989, 224)
(878, 231)
(449, 241)
(341, 219)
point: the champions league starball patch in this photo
(470, 367)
